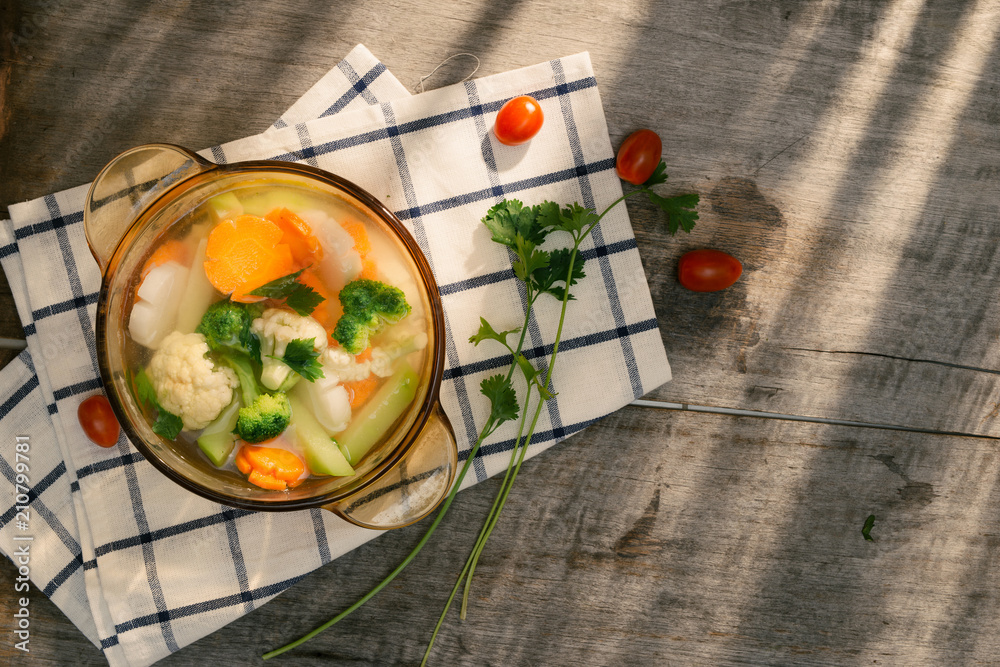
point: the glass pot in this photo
(135, 199)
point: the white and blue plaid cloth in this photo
(144, 567)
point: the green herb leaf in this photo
(546, 278)
(167, 424)
(680, 210)
(280, 287)
(300, 298)
(304, 300)
(658, 176)
(509, 218)
(487, 332)
(867, 529)
(528, 259)
(503, 400)
(301, 356)
(532, 376)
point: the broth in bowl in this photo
(277, 333)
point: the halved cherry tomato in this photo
(98, 420)
(708, 270)
(518, 121)
(638, 156)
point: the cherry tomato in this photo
(518, 121)
(708, 270)
(98, 420)
(638, 156)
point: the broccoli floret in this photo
(226, 327)
(265, 418)
(263, 415)
(369, 305)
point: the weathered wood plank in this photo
(846, 153)
(688, 538)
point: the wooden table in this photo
(847, 152)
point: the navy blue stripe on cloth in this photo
(306, 142)
(108, 642)
(539, 436)
(19, 395)
(597, 235)
(239, 564)
(76, 389)
(359, 86)
(508, 188)
(322, 544)
(55, 221)
(497, 194)
(33, 493)
(168, 615)
(149, 557)
(75, 564)
(226, 515)
(127, 459)
(566, 344)
(81, 301)
(8, 250)
(29, 329)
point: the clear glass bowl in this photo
(146, 190)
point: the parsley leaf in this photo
(545, 279)
(681, 210)
(510, 218)
(528, 259)
(167, 424)
(531, 375)
(304, 300)
(658, 176)
(300, 298)
(503, 400)
(301, 356)
(487, 332)
(575, 219)
(279, 287)
(866, 530)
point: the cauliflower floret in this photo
(187, 383)
(276, 328)
(340, 364)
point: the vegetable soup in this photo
(278, 333)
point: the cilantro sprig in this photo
(523, 230)
(299, 297)
(302, 357)
(167, 424)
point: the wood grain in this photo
(732, 540)
(846, 152)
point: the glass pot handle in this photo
(128, 185)
(411, 490)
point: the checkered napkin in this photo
(162, 567)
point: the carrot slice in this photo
(360, 235)
(298, 236)
(244, 253)
(171, 251)
(270, 467)
(360, 391)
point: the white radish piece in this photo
(329, 401)
(341, 262)
(158, 300)
(198, 294)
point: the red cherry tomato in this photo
(708, 270)
(98, 420)
(518, 121)
(638, 156)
